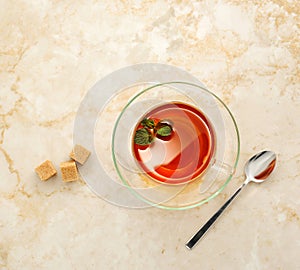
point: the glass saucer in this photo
(105, 122)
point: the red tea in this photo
(186, 153)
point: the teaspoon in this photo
(257, 170)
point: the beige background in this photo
(52, 52)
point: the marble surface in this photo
(52, 52)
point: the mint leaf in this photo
(164, 131)
(142, 137)
(148, 123)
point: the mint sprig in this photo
(146, 134)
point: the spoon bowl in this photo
(260, 166)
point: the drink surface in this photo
(185, 154)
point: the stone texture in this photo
(52, 52)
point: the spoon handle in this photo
(212, 220)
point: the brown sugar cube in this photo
(69, 171)
(80, 154)
(45, 170)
